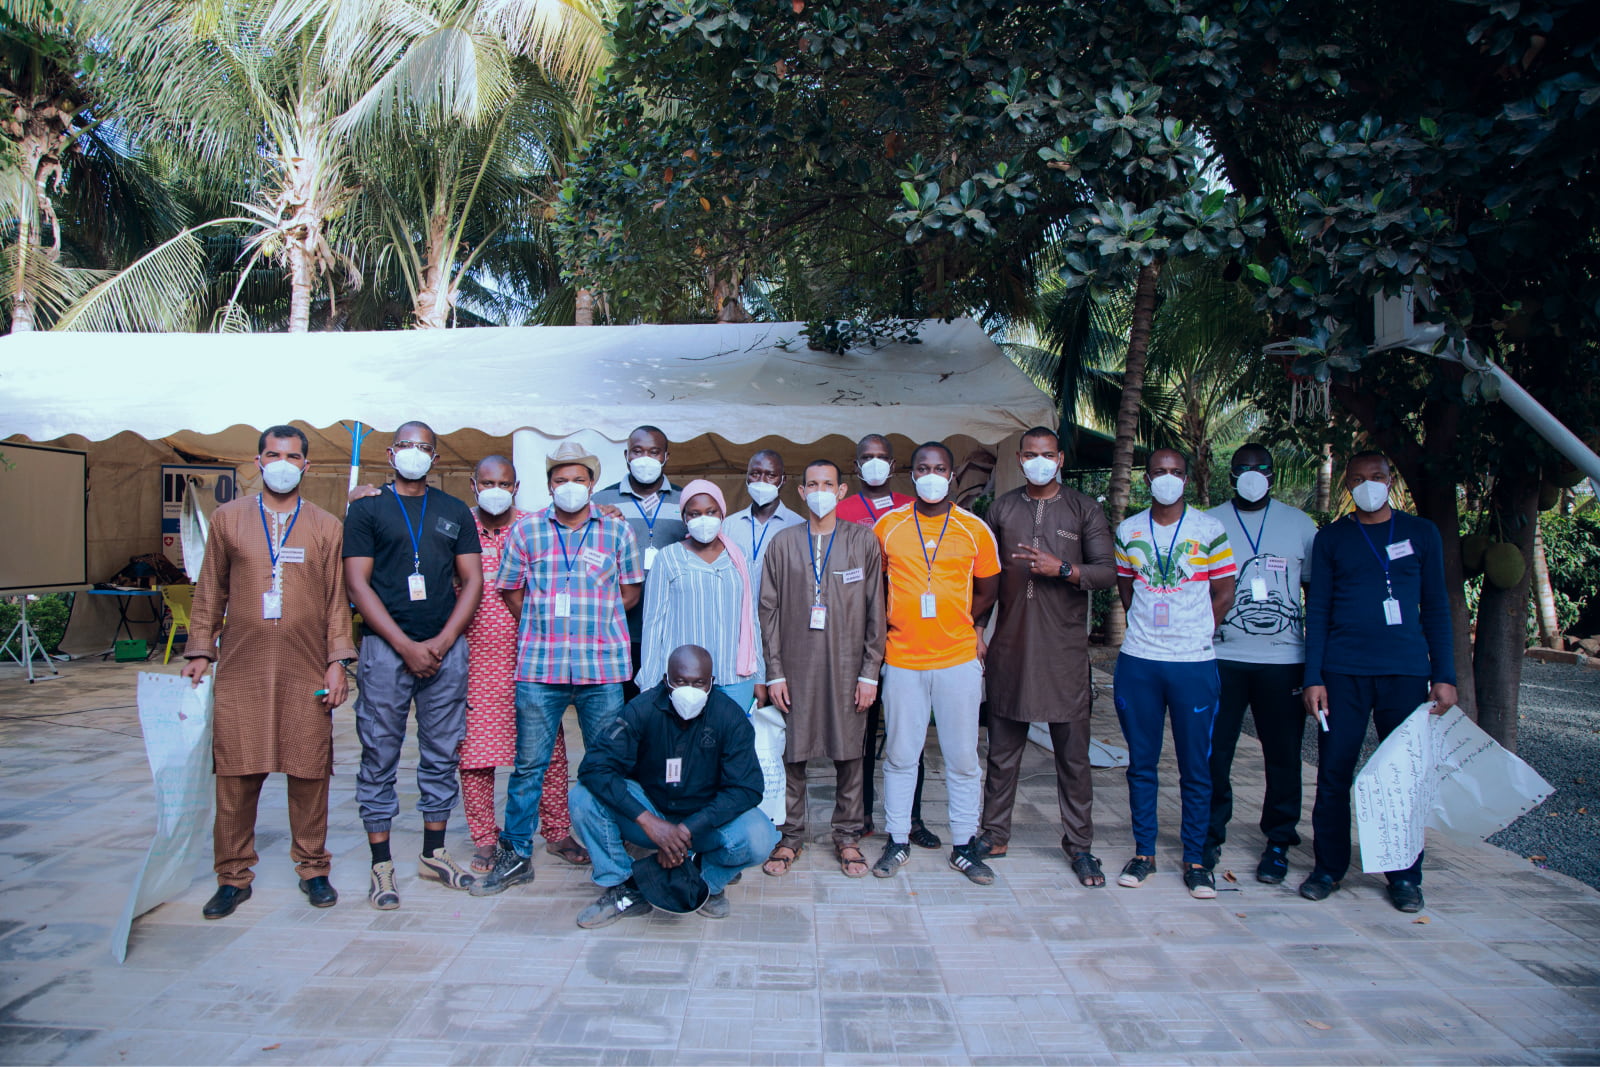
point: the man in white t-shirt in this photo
(1175, 577)
(1261, 657)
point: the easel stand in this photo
(31, 646)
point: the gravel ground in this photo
(1558, 736)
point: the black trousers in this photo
(869, 755)
(1352, 700)
(1268, 689)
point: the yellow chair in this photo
(179, 600)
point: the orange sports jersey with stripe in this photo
(959, 550)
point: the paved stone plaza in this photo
(1502, 967)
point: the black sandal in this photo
(1087, 868)
(923, 837)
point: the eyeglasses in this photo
(1264, 468)
(420, 445)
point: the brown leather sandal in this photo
(778, 864)
(570, 850)
(483, 859)
(851, 861)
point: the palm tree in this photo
(285, 102)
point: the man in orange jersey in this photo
(944, 571)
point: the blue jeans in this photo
(724, 851)
(1145, 691)
(539, 709)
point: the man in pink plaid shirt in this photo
(569, 573)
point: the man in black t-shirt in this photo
(411, 566)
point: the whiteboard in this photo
(44, 504)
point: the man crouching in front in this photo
(676, 772)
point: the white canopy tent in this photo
(718, 391)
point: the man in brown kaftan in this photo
(1055, 546)
(822, 631)
(273, 570)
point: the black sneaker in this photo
(1200, 882)
(895, 855)
(716, 906)
(1211, 857)
(613, 904)
(1274, 865)
(969, 861)
(510, 868)
(1406, 896)
(1136, 871)
(923, 837)
(1317, 886)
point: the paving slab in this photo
(811, 968)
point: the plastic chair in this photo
(179, 600)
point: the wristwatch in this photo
(1066, 570)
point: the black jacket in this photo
(720, 778)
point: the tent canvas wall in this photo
(720, 392)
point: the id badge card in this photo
(819, 616)
(1258, 589)
(563, 605)
(1400, 549)
(1161, 615)
(930, 607)
(674, 771)
(1391, 611)
(649, 557)
(418, 586)
(883, 502)
(272, 605)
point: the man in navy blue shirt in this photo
(1378, 643)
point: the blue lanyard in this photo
(868, 505)
(650, 519)
(1381, 557)
(422, 524)
(766, 528)
(811, 550)
(924, 545)
(561, 536)
(1255, 544)
(273, 549)
(1162, 569)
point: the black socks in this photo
(380, 851)
(431, 839)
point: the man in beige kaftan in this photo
(273, 570)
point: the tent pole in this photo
(358, 433)
(525, 449)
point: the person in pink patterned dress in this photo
(491, 739)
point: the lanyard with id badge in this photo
(930, 606)
(272, 599)
(819, 610)
(1161, 610)
(1393, 550)
(1258, 584)
(416, 584)
(650, 550)
(563, 604)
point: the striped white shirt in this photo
(691, 602)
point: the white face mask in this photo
(762, 493)
(644, 469)
(1370, 496)
(1039, 470)
(875, 472)
(689, 701)
(1166, 488)
(570, 496)
(1252, 486)
(821, 503)
(412, 463)
(281, 475)
(933, 487)
(494, 501)
(704, 528)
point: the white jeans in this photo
(952, 694)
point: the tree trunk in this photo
(725, 302)
(1436, 501)
(583, 312)
(21, 299)
(1121, 490)
(1325, 479)
(432, 310)
(1503, 616)
(299, 288)
(1544, 594)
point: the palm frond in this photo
(156, 293)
